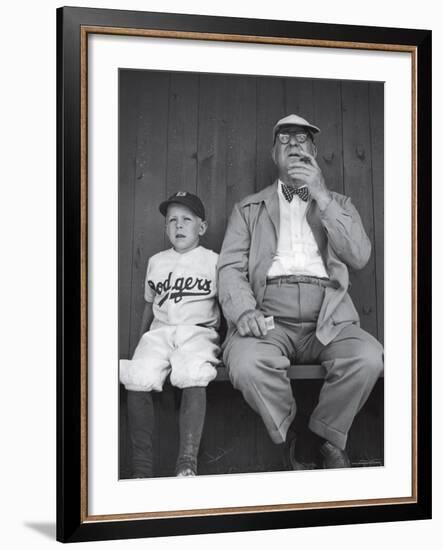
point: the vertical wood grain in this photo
(150, 186)
(299, 97)
(181, 167)
(212, 151)
(226, 148)
(358, 185)
(327, 115)
(241, 140)
(127, 151)
(376, 104)
(270, 108)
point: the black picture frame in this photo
(73, 523)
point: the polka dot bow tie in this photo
(289, 192)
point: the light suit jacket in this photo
(250, 244)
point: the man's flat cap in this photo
(294, 120)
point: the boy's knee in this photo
(186, 375)
(139, 376)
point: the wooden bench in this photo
(295, 372)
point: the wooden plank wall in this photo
(212, 135)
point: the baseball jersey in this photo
(182, 287)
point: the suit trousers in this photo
(258, 367)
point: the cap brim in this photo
(310, 127)
(176, 200)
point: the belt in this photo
(295, 279)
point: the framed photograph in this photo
(244, 274)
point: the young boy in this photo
(181, 318)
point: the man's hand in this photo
(306, 170)
(252, 323)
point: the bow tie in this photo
(289, 192)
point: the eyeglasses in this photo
(284, 137)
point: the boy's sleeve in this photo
(149, 290)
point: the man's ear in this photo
(203, 228)
(273, 154)
(315, 150)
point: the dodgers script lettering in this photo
(180, 288)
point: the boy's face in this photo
(183, 227)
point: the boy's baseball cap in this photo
(187, 199)
(294, 120)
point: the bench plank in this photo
(295, 372)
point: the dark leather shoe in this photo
(291, 463)
(333, 457)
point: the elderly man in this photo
(283, 287)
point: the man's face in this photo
(287, 155)
(183, 227)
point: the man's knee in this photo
(371, 360)
(253, 361)
(241, 361)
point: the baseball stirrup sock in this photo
(192, 417)
(141, 426)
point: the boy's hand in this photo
(252, 323)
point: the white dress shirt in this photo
(297, 251)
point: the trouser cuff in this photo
(336, 437)
(278, 435)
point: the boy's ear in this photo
(203, 228)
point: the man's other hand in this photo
(252, 323)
